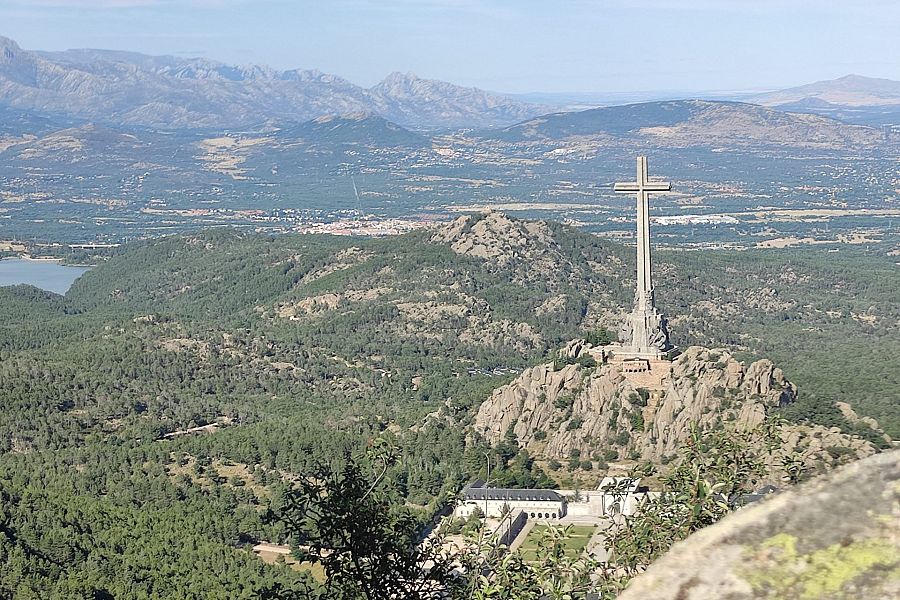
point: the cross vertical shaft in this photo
(646, 327)
(644, 283)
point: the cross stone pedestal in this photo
(646, 370)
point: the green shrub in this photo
(599, 337)
(644, 395)
(586, 360)
(637, 420)
(574, 424)
(564, 401)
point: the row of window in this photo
(511, 498)
(541, 515)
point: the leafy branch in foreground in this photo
(493, 573)
(714, 473)
(351, 521)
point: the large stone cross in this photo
(642, 187)
(644, 329)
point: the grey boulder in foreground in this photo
(837, 536)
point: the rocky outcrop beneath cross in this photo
(557, 410)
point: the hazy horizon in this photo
(580, 47)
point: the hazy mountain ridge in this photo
(170, 92)
(694, 123)
(850, 90)
(612, 120)
(852, 99)
(14, 121)
(408, 97)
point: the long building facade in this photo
(546, 505)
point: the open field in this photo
(577, 538)
(272, 553)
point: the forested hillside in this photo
(293, 350)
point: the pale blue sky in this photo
(503, 45)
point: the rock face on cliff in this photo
(837, 536)
(597, 411)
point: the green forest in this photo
(286, 354)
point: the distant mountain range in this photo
(163, 123)
(671, 124)
(126, 88)
(29, 139)
(87, 172)
(853, 98)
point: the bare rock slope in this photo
(592, 410)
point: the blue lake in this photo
(46, 275)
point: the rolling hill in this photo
(17, 122)
(694, 123)
(355, 129)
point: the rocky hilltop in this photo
(498, 238)
(503, 242)
(538, 253)
(559, 410)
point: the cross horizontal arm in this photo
(650, 186)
